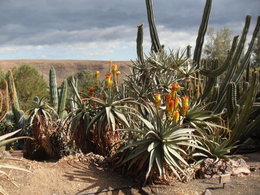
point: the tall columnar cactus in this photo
(231, 98)
(139, 43)
(240, 128)
(73, 99)
(63, 99)
(156, 46)
(53, 88)
(201, 33)
(233, 67)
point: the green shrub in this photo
(29, 83)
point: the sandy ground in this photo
(71, 176)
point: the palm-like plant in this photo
(160, 148)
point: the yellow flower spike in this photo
(170, 108)
(117, 77)
(114, 68)
(97, 73)
(108, 81)
(97, 77)
(185, 105)
(168, 99)
(157, 100)
(175, 88)
(176, 116)
(176, 103)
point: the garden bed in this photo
(82, 174)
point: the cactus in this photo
(248, 72)
(53, 88)
(62, 100)
(240, 129)
(156, 46)
(73, 104)
(231, 98)
(139, 44)
(58, 97)
(231, 67)
(188, 52)
(201, 33)
(220, 70)
(246, 58)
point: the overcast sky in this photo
(106, 29)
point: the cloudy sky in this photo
(106, 29)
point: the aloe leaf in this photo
(112, 119)
(108, 110)
(172, 161)
(122, 117)
(151, 163)
(159, 162)
(96, 118)
(152, 146)
(2, 143)
(177, 155)
(3, 137)
(146, 122)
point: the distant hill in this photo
(65, 68)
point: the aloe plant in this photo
(110, 113)
(78, 121)
(40, 123)
(5, 139)
(159, 148)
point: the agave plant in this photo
(3, 142)
(160, 148)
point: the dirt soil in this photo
(65, 68)
(81, 175)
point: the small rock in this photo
(206, 192)
(134, 191)
(146, 190)
(5, 154)
(239, 171)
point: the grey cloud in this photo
(40, 22)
